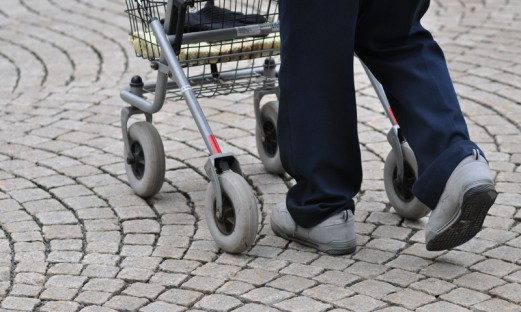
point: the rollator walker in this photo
(203, 48)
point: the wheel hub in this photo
(404, 188)
(226, 223)
(137, 161)
(270, 138)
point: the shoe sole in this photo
(474, 208)
(333, 248)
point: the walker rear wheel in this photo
(266, 135)
(400, 193)
(236, 230)
(145, 166)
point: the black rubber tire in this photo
(147, 173)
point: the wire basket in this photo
(224, 43)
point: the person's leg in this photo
(412, 68)
(454, 180)
(317, 126)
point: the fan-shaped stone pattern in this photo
(74, 236)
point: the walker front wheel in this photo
(236, 229)
(266, 135)
(145, 166)
(400, 193)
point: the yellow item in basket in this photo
(145, 45)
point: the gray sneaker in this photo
(463, 205)
(335, 235)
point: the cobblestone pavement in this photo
(74, 237)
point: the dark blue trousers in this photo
(317, 124)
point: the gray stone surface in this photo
(75, 237)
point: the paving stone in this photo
(71, 191)
(139, 239)
(497, 305)
(510, 292)
(199, 255)
(84, 202)
(60, 306)
(505, 253)
(332, 263)
(476, 245)
(298, 256)
(479, 281)
(256, 277)
(57, 217)
(135, 274)
(217, 303)
(302, 303)
(58, 293)
(465, 297)
(253, 307)
(182, 297)
(168, 279)
(98, 258)
(216, 270)
(265, 251)
(31, 267)
(291, 283)
(66, 281)
(495, 267)
(433, 286)
(62, 232)
(34, 279)
(366, 270)
(410, 263)
(410, 299)
(29, 194)
(337, 278)
(180, 266)
(267, 295)
(101, 225)
(125, 303)
(94, 270)
(375, 289)
(135, 212)
(444, 271)
(64, 256)
(461, 258)
(95, 213)
(26, 290)
(442, 306)
(203, 284)
(420, 251)
(159, 306)
(328, 293)
(104, 284)
(235, 288)
(20, 303)
(273, 265)
(302, 270)
(399, 277)
(148, 291)
(373, 256)
(136, 250)
(360, 303)
(495, 235)
(92, 297)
